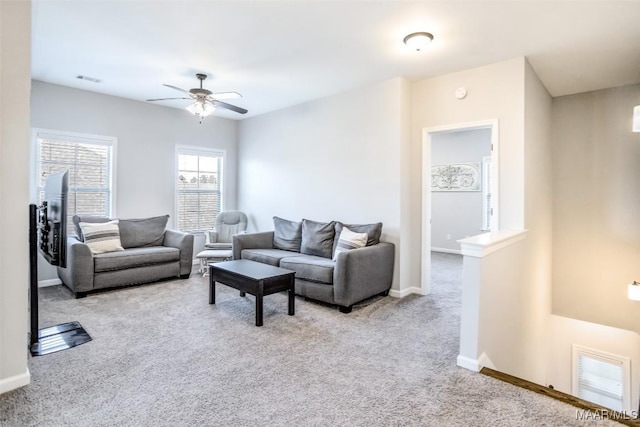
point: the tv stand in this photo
(54, 338)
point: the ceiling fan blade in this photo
(163, 99)
(229, 107)
(176, 88)
(226, 95)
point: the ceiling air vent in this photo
(87, 78)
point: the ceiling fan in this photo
(205, 101)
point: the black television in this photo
(53, 219)
(48, 232)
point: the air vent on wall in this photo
(87, 78)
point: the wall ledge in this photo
(484, 244)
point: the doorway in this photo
(459, 187)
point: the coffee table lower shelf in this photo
(253, 278)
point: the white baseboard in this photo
(447, 251)
(473, 364)
(17, 381)
(50, 282)
(404, 292)
(468, 363)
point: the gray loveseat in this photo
(148, 253)
(309, 248)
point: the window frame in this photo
(614, 360)
(78, 138)
(198, 151)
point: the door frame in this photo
(427, 133)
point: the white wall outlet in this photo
(448, 236)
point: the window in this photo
(199, 188)
(89, 160)
(601, 378)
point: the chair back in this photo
(229, 223)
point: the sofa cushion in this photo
(287, 235)
(135, 257)
(101, 237)
(317, 238)
(77, 219)
(140, 232)
(311, 268)
(266, 256)
(349, 240)
(373, 231)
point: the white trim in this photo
(484, 244)
(17, 381)
(197, 151)
(493, 125)
(425, 265)
(447, 251)
(49, 282)
(405, 292)
(475, 364)
(468, 363)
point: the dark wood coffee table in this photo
(254, 278)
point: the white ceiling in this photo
(281, 53)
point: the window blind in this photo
(601, 378)
(90, 168)
(199, 189)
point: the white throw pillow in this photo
(102, 236)
(349, 240)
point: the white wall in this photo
(596, 167)
(337, 158)
(534, 283)
(565, 331)
(147, 135)
(494, 92)
(457, 214)
(512, 286)
(15, 39)
(596, 232)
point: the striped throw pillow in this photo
(349, 240)
(102, 236)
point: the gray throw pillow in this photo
(287, 235)
(77, 219)
(317, 238)
(373, 232)
(139, 232)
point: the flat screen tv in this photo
(53, 219)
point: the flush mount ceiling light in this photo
(418, 41)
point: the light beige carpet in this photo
(162, 356)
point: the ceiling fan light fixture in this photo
(201, 108)
(419, 40)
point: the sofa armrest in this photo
(362, 273)
(262, 240)
(78, 275)
(183, 242)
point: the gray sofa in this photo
(309, 249)
(148, 253)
